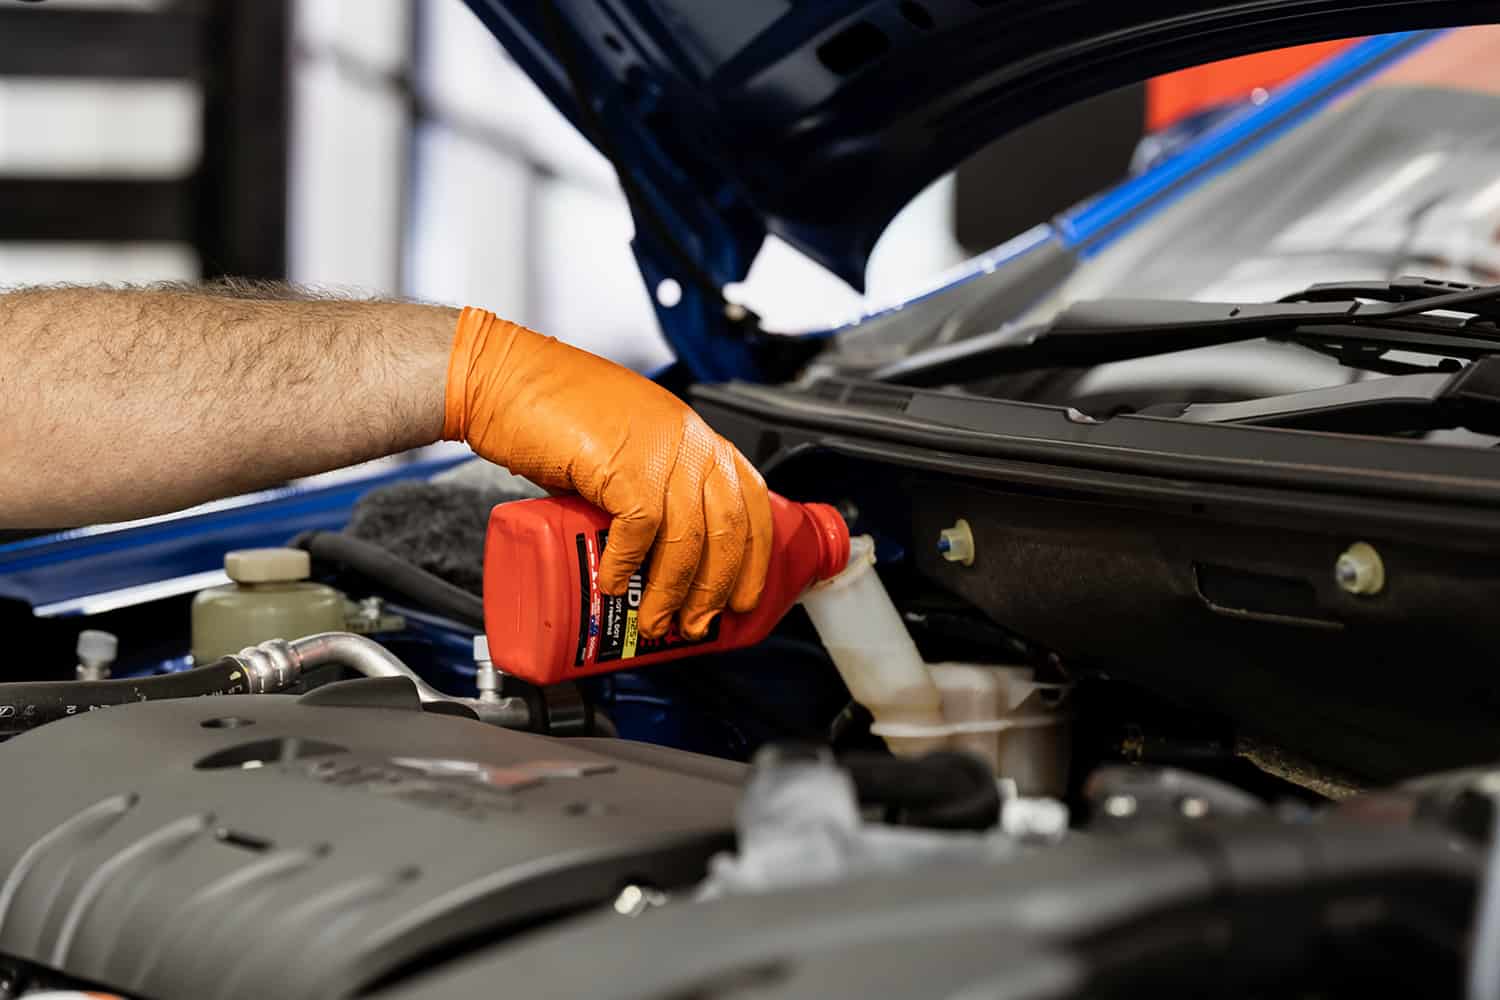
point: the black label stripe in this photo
(584, 585)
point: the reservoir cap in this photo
(267, 565)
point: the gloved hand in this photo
(568, 420)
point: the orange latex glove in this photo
(568, 420)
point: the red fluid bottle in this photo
(547, 621)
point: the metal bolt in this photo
(486, 677)
(1193, 807)
(1120, 806)
(1360, 570)
(96, 654)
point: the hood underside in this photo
(819, 121)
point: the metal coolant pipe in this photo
(279, 663)
(266, 668)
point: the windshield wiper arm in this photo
(1408, 288)
(1401, 404)
(1105, 330)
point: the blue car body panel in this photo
(59, 572)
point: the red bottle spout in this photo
(833, 539)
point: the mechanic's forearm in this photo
(117, 404)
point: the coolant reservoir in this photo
(270, 598)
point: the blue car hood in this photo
(818, 120)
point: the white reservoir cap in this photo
(267, 565)
(481, 648)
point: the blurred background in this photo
(380, 146)
(390, 147)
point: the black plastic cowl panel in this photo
(262, 847)
(1202, 557)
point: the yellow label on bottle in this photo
(632, 634)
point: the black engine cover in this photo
(271, 846)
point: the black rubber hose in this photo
(946, 790)
(417, 585)
(26, 705)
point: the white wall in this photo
(588, 289)
(350, 135)
(469, 234)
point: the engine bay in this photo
(1233, 743)
(1132, 698)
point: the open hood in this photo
(818, 121)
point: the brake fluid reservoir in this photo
(270, 598)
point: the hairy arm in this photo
(121, 403)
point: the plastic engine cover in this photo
(269, 846)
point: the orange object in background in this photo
(1175, 96)
(548, 621)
